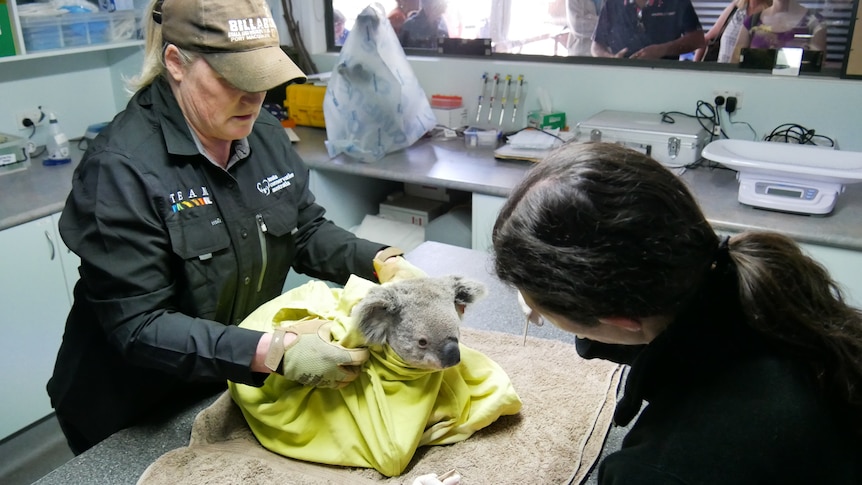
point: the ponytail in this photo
(791, 299)
(154, 64)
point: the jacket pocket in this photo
(198, 235)
(205, 263)
(277, 226)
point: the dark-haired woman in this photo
(748, 359)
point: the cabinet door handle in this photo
(50, 244)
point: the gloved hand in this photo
(312, 359)
(391, 266)
(450, 478)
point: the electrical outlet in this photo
(728, 93)
(36, 116)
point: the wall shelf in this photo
(74, 50)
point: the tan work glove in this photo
(312, 359)
(390, 265)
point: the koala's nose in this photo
(451, 354)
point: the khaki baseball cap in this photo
(238, 39)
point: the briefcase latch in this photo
(673, 144)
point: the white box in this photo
(672, 144)
(410, 209)
(451, 117)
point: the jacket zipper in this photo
(261, 233)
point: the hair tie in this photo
(722, 255)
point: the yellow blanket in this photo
(379, 420)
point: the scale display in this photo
(806, 193)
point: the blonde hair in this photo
(154, 48)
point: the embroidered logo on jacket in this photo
(186, 199)
(274, 183)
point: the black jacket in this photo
(175, 252)
(725, 406)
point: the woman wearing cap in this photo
(188, 211)
(742, 347)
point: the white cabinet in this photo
(347, 198)
(485, 210)
(844, 265)
(69, 260)
(35, 301)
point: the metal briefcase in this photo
(672, 144)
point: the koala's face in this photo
(418, 318)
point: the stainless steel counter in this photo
(40, 191)
(35, 192)
(452, 165)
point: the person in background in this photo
(582, 16)
(424, 28)
(404, 10)
(187, 211)
(728, 26)
(340, 32)
(647, 29)
(786, 23)
(742, 347)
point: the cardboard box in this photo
(410, 209)
(544, 120)
(674, 144)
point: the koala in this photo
(418, 318)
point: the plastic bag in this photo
(374, 104)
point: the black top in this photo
(724, 406)
(622, 24)
(175, 251)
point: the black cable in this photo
(796, 133)
(708, 117)
(703, 113)
(536, 129)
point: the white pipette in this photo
(517, 98)
(503, 99)
(493, 94)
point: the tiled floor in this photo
(33, 453)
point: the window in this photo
(562, 30)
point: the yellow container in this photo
(304, 104)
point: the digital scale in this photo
(787, 177)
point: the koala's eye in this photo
(423, 343)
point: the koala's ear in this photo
(466, 290)
(377, 313)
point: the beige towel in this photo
(556, 438)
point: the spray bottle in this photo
(57, 144)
